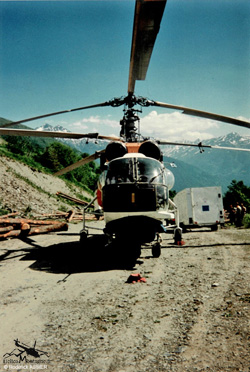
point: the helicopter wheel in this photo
(177, 236)
(156, 250)
(83, 236)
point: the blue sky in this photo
(57, 55)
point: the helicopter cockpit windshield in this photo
(135, 195)
(138, 170)
(136, 183)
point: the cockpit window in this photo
(119, 170)
(134, 170)
(150, 170)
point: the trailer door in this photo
(207, 205)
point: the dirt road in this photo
(192, 314)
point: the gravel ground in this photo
(192, 314)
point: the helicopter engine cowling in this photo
(151, 149)
(115, 150)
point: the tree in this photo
(237, 192)
(58, 156)
(172, 194)
(20, 145)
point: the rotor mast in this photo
(147, 19)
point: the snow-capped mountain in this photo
(83, 145)
(221, 166)
(230, 140)
(50, 128)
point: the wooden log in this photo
(75, 200)
(25, 226)
(25, 229)
(20, 221)
(6, 229)
(51, 215)
(10, 234)
(63, 226)
(70, 216)
(10, 215)
(46, 229)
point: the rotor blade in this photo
(38, 133)
(79, 163)
(200, 145)
(54, 113)
(203, 114)
(147, 19)
(228, 148)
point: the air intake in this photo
(150, 149)
(115, 150)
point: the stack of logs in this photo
(21, 227)
(70, 216)
(11, 227)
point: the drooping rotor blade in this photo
(147, 19)
(200, 145)
(229, 148)
(79, 163)
(38, 133)
(55, 113)
(203, 114)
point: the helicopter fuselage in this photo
(134, 195)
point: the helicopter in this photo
(133, 189)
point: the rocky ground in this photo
(192, 314)
(28, 191)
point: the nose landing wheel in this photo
(178, 236)
(156, 248)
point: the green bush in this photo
(246, 221)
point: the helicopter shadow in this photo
(74, 257)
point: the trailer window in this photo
(205, 208)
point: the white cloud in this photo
(79, 125)
(86, 123)
(176, 126)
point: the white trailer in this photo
(200, 206)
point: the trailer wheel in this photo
(214, 227)
(184, 228)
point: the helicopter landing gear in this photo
(178, 236)
(83, 236)
(156, 248)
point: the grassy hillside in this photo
(48, 155)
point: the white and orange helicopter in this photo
(133, 190)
